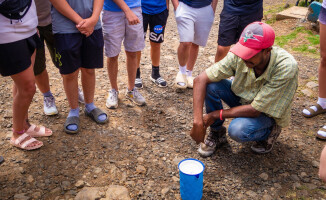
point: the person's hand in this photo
(198, 132)
(132, 18)
(86, 26)
(208, 119)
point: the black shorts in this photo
(47, 36)
(15, 57)
(231, 26)
(156, 25)
(75, 50)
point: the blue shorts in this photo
(322, 15)
(75, 50)
(231, 26)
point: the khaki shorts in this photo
(117, 29)
(194, 24)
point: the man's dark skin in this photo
(258, 63)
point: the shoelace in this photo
(49, 101)
(113, 95)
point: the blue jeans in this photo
(241, 129)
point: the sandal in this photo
(40, 133)
(321, 134)
(95, 113)
(190, 81)
(24, 141)
(313, 113)
(71, 121)
(181, 81)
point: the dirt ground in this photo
(140, 147)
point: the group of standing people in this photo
(75, 37)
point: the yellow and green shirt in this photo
(271, 93)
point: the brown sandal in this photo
(313, 113)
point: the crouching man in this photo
(259, 97)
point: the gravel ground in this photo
(137, 152)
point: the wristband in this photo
(221, 112)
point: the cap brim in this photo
(244, 52)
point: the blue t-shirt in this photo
(111, 6)
(152, 7)
(197, 3)
(61, 24)
(242, 7)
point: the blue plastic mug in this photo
(191, 179)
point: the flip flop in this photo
(180, 79)
(95, 113)
(313, 113)
(40, 133)
(71, 121)
(23, 143)
(319, 136)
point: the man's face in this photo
(255, 60)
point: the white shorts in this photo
(116, 28)
(194, 24)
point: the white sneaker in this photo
(49, 106)
(112, 100)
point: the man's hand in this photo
(209, 119)
(132, 18)
(198, 132)
(86, 26)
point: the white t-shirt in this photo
(14, 30)
(43, 8)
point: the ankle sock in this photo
(47, 94)
(73, 113)
(138, 73)
(321, 102)
(90, 107)
(182, 69)
(189, 73)
(155, 72)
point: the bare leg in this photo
(183, 53)
(192, 56)
(221, 52)
(138, 58)
(42, 81)
(155, 53)
(131, 68)
(113, 71)
(88, 83)
(70, 83)
(322, 65)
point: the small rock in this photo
(312, 85)
(252, 194)
(21, 197)
(303, 174)
(307, 92)
(164, 191)
(175, 179)
(264, 176)
(140, 159)
(311, 186)
(267, 197)
(65, 185)
(315, 164)
(116, 192)
(176, 160)
(80, 184)
(89, 193)
(37, 195)
(296, 185)
(141, 169)
(30, 179)
(97, 170)
(277, 185)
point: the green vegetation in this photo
(273, 10)
(312, 40)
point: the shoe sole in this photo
(204, 154)
(51, 113)
(111, 106)
(138, 104)
(153, 80)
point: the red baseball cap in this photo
(254, 38)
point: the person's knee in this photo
(88, 72)
(236, 132)
(185, 45)
(28, 89)
(131, 55)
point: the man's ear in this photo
(267, 50)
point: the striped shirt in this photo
(271, 93)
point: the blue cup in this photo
(191, 179)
